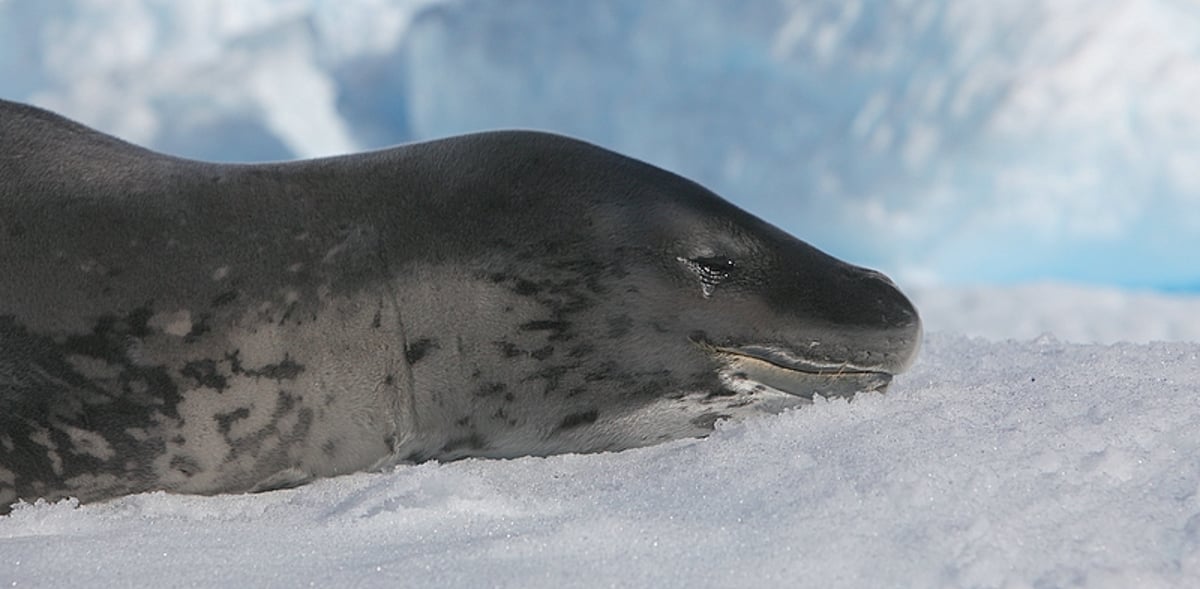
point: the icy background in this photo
(984, 153)
(960, 142)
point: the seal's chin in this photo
(797, 376)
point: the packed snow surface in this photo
(1033, 463)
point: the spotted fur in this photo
(168, 324)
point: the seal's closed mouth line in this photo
(804, 366)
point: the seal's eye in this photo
(712, 270)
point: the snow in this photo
(1032, 463)
(991, 156)
(943, 142)
(1071, 313)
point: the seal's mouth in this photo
(785, 371)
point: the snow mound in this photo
(1068, 312)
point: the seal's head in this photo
(613, 304)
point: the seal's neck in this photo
(40, 148)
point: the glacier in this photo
(968, 142)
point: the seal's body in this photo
(204, 328)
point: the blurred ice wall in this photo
(943, 141)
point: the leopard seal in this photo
(169, 324)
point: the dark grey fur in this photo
(203, 328)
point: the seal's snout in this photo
(889, 327)
(908, 336)
(897, 335)
(845, 315)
